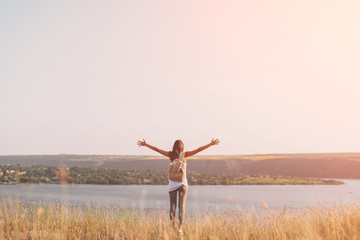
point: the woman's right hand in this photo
(141, 143)
(215, 142)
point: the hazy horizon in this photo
(93, 77)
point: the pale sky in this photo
(93, 77)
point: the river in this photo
(200, 198)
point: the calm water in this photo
(200, 198)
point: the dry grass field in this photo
(59, 221)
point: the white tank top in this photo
(175, 185)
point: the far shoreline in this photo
(323, 182)
(41, 174)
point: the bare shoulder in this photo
(188, 154)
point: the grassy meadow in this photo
(62, 221)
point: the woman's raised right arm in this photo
(143, 143)
(212, 143)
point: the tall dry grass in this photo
(64, 221)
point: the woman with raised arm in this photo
(178, 187)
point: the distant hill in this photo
(320, 165)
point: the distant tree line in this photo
(75, 175)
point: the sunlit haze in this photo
(93, 77)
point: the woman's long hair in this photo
(177, 149)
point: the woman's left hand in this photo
(141, 143)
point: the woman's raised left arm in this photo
(144, 143)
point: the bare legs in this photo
(173, 198)
(182, 201)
